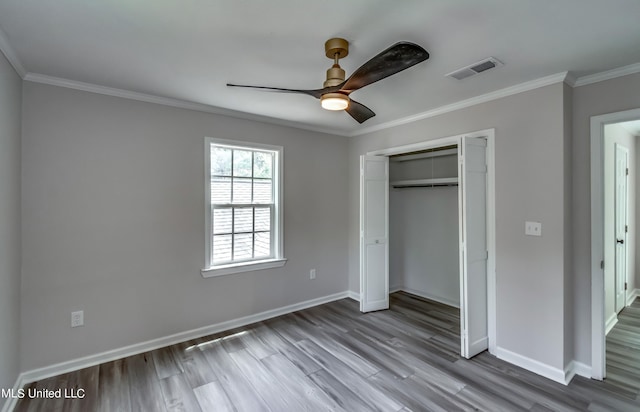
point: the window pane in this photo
(262, 163)
(242, 246)
(221, 248)
(220, 190)
(263, 219)
(220, 161)
(262, 244)
(243, 220)
(242, 163)
(262, 190)
(222, 221)
(241, 190)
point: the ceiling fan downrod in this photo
(335, 49)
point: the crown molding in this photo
(608, 75)
(168, 101)
(11, 55)
(498, 94)
(565, 77)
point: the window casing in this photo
(243, 206)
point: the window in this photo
(243, 207)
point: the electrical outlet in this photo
(312, 274)
(533, 228)
(77, 318)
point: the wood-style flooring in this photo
(623, 350)
(332, 357)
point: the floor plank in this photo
(334, 358)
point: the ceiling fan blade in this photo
(317, 93)
(359, 111)
(393, 60)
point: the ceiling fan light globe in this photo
(334, 101)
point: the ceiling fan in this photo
(335, 93)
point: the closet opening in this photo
(427, 228)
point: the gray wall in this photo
(530, 149)
(10, 109)
(113, 223)
(423, 231)
(591, 100)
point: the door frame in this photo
(489, 134)
(598, 346)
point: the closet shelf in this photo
(445, 181)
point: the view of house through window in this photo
(243, 204)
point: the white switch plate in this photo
(77, 318)
(312, 274)
(533, 228)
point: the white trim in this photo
(394, 289)
(277, 259)
(242, 267)
(566, 77)
(487, 97)
(576, 368)
(92, 360)
(353, 295)
(608, 75)
(184, 104)
(11, 54)
(542, 369)
(425, 295)
(168, 101)
(414, 147)
(11, 403)
(631, 296)
(611, 322)
(597, 236)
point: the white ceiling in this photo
(632, 127)
(189, 49)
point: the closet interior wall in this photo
(423, 230)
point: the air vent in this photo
(475, 68)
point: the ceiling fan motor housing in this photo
(335, 76)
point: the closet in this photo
(424, 224)
(427, 225)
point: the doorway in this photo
(614, 140)
(476, 200)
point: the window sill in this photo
(242, 267)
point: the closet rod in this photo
(446, 181)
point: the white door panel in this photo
(473, 246)
(374, 233)
(621, 221)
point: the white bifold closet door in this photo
(374, 233)
(472, 198)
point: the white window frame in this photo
(277, 260)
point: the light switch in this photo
(533, 228)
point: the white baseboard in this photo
(448, 302)
(542, 369)
(10, 403)
(632, 296)
(91, 360)
(611, 322)
(576, 368)
(394, 289)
